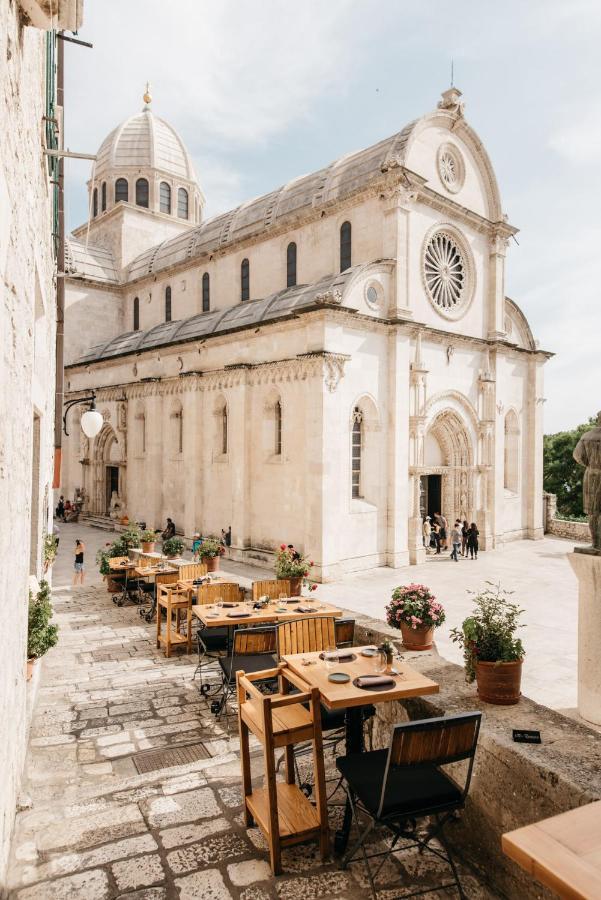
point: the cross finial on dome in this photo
(147, 96)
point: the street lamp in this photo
(91, 420)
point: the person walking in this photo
(443, 529)
(464, 530)
(60, 508)
(472, 541)
(456, 540)
(427, 533)
(79, 567)
(435, 532)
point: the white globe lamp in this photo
(91, 422)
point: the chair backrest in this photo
(272, 588)
(254, 641)
(345, 632)
(144, 560)
(230, 592)
(306, 635)
(192, 571)
(166, 578)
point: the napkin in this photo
(373, 680)
(344, 654)
(229, 605)
(304, 609)
(238, 615)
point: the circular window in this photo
(446, 271)
(373, 294)
(450, 167)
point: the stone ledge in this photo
(512, 784)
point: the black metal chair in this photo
(252, 650)
(398, 786)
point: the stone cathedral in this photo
(323, 365)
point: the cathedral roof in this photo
(337, 181)
(90, 262)
(145, 141)
(284, 303)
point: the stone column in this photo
(533, 448)
(192, 458)
(586, 563)
(240, 425)
(397, 212)
(399, 500)
(417, 551)
(496, 284)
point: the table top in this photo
(410, 682)
(123, 566)
(146, 571)
(214, 579)
(563, 852)
(213, 617)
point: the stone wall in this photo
(513, 784)
(564, 528)
(27, 326)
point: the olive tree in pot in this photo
(492, 654)
(210, 552)
(173, 547)
(41, 635)
(417, 612)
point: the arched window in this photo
(291, 265)
(142, 192)
(165, 197)
(345, 246)
(278, 428)
(121, 190)
(95, 202)
(224, 430)
(206, 292)
(244, 280)
(182, 203)
(511, 469)
(136, 313)
(356, 447)
(167, 304)
(103, 195)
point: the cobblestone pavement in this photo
(97, 829)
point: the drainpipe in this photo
(60, 281)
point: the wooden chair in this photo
(229, 591)
(173, 599)
(344, 630)
(213, 642)
(145, 561)
(280, 809)
(272, 588)
(152, 588)
(398, 787)
(192, 571)
(252, 650)
(306, 635)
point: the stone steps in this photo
(102, 522)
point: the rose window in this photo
(451, 168)
(448, 169)
(444, 271)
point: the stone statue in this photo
(116, 510)
(588, 453)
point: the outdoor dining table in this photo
(562, 852)
(408, 682)
(149, 573)
(213, 616)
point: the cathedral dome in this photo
(144, 163)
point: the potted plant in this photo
(49, 552)
(41, 635)
(416, 611)
(492, 654)
(148, 538)
(210, 552)
(173, 547)
(294, 567)
(387, 649)
(119, 547)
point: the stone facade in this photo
(27, 325)
(220, 412)
(564, 528)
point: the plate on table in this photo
(339, 677)
(369, 651)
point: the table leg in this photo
(354, 744)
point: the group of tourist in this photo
(463, 537)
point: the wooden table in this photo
(563, 852)
(266, 616)
(410, 683)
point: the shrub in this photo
(414, 605)
(210, 548)
(49, 550)
(488, 635)
(148, 536)
(173, 546)
(41, 636)
(121, 546)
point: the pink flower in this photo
(282, 546)
(311, 563)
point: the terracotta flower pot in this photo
(499, 682)
(29, 668)
(212, 563)
(419, 638)
(148, 546)
(296, 584)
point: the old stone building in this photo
(323, 365)
(28, 243)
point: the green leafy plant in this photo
(562, 475)
(488, 635)
(416, 606)
(49, 550)
(121, 546)
(210, 548)
(148, 536)
(173, 546)
(41, 635)
(289, 563)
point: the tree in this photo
(562, 475)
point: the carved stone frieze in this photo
(331, 296)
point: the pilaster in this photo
(486, 453)
(399, 501)
(533, 448)
(498, 241)
(397, 216)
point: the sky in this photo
(262, 91)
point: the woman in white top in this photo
(427, 532)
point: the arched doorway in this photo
(108, 473)
(447, 474)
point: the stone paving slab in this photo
(98, 830)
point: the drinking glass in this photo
(219, 602)
(282, 598)
(330, 657)
(378, 662)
